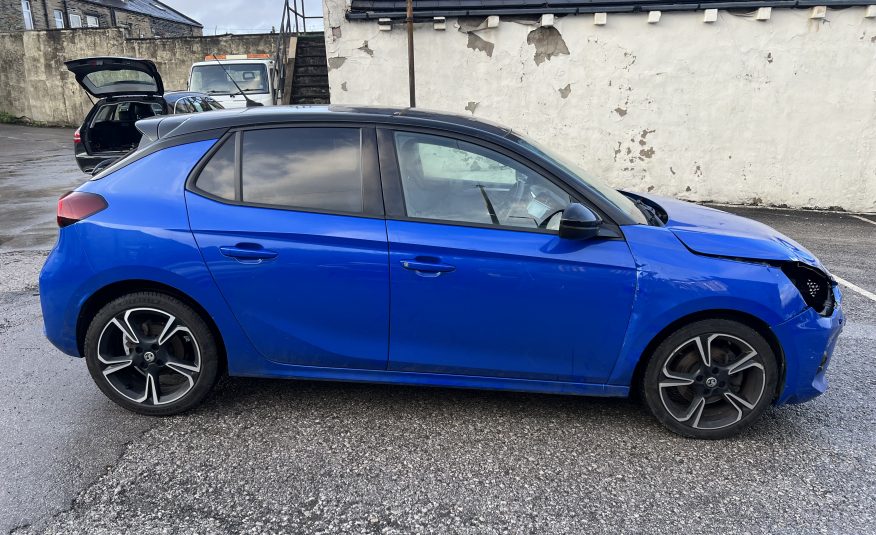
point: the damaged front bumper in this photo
(808, 341)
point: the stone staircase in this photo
(310, 75)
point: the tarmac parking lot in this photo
(264, 456)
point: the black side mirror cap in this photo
(579, 223)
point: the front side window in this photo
(28, 15)
(59, 18)
(75, 20)
(307, 168)
(451, 180)
(92, 22)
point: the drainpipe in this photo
(411, 84)
(66, 14)
(46, 13)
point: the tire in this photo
(151, 354)
(711, 379)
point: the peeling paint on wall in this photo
(716, 96)
(471, 106)
(335, 63)
(364, 48)
(547, 42)
(475, 42)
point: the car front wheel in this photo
(151, 354)
(710, 379)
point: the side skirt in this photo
(437, 380)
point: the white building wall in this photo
(779, 112)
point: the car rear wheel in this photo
(710, 379)
(151, 354)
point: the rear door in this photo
(109, 76)
(290, 224)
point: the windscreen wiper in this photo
(649, 212)
(249, 102)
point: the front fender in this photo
(674, 283)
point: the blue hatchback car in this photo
(414, 247)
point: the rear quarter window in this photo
(218, 176)
(306, 168)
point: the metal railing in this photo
(292, 23)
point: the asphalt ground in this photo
(265, 456)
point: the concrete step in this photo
(310, 100)
(309, 91)
(311, 70)
(318, 81)
(310, 60)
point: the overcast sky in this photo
(241, 16)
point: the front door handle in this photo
(427, 269)
(247, 251)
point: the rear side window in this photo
(307, 168)
(217, 177)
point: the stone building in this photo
(139, 18)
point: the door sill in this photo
(285, 371)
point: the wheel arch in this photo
(117, 289)
(749, 320)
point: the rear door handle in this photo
(247, 251)
(431, 268)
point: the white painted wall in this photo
(777, 112)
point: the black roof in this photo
(423, 9)
(152, 8)
(173, 96)
(160, 127)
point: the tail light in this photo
(77, 137)
(75, 206)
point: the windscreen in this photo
(217, 79)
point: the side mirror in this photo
(579, 223)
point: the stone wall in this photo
(777, 112)
(34, 82)
(135, 24)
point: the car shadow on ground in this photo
(236, 396)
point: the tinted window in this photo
(197, 104)
(213, 104)
(451, 180)
(183, 106)
(217, 177)
(309, 168)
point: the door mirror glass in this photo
(579, 223)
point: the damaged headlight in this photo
(814, 285)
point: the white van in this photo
(255, 74)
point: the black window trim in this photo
(394, 195)
(372, 195)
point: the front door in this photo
(480, 282)
(292, 232)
